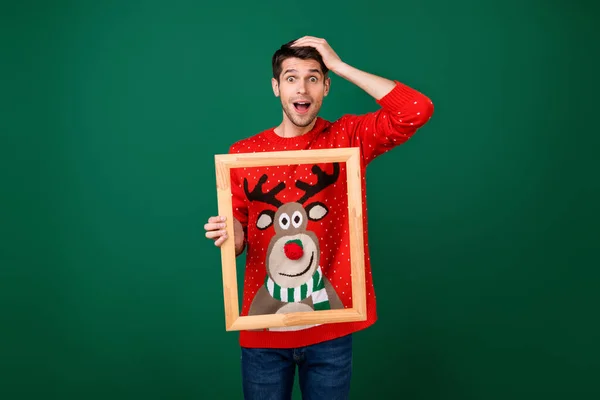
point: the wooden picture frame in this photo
(349, 156)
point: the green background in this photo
(484, 227)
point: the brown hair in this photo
(304, 53)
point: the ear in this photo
(327, 85)
(275, 87)
(265, 219)
(316, 211)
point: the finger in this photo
(299, 39)
(214, 226)
(310, 39)
(304, 41)
(221, 240)
(311, 43)
(215, 234)
(216, 219)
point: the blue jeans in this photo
(324, 371)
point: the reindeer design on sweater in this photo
(294, 281)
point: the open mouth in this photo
(312, 256)
(301, 106)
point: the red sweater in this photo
(278, 234)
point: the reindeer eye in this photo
(297, 219)
(284, 221)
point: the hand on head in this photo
(330, 58)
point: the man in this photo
(291, 219)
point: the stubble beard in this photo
(300, 121)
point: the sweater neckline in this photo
(319, 126)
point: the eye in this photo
(290, 78)
(284, 221)
(296, 219)
(313, 79)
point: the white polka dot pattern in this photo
(375, 133)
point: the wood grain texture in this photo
(349, 156)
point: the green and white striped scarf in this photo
(314, 287)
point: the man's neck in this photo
(288, 129)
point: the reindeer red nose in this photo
(293, 249)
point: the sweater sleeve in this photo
(238, 198)
(402, 112)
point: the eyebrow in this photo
(295, 70)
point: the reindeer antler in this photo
(257, 193)
(323, 180)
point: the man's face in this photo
(301, 88)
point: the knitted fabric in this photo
(272, 201)
(314, 287)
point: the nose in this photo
(293, 249)
(301, 87)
